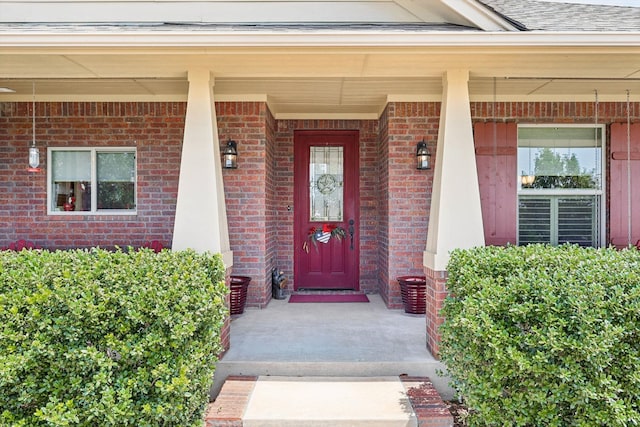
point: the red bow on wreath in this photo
(323, 234)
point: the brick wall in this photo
(405, 191)
(156, 129)
(274, 207)
(555, 112)
(246, 195)
(436, 292)
(369, 206)
(383, 207)
(283, 173)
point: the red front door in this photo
(326, 176)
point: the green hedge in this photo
(98, 338)
(545, 336)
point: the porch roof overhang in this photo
(315, 73)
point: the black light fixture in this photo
(230, 155)
(423, 156)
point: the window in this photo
(95, 180)
(325, 183)
(560, 184)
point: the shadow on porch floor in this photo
(332, 340)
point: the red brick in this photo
(231, 402)
(60, 124)
(427, 404)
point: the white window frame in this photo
(94, 180)
(601, 192)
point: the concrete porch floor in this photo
(329, 340)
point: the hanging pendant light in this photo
(34, 152)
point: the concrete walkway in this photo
(328, 402)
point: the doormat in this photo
(328, 298)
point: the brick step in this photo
(328, 401)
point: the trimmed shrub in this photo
(545, 336)
(104, 338)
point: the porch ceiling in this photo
(322, 82)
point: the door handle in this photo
(351, 231)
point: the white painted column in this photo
(201, 216)
(455, 220)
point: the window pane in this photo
(326, 183)
(534, 215)
(71, 177)
(71, 196)
(559, 219)
(577, 220)
(569, 157)
(71, 166)
(116, 167)
(116, 180)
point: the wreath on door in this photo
(323, 235)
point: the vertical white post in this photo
(455, 220)
(201, 217)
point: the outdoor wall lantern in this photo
(230, 155)
(423, 156)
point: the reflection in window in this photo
(92, 180)
(116, 180)
(326, 183)
(560, 157)
(561, 187)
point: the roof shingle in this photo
(557, 16)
